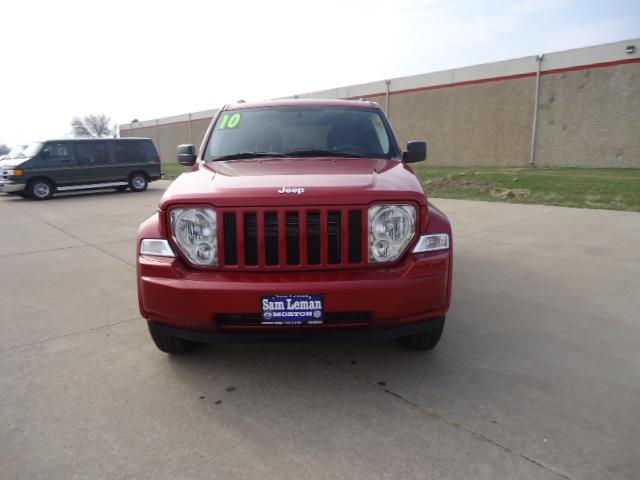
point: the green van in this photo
(44, 168)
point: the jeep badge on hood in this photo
(298, 190)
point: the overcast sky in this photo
(147, 59)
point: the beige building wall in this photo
(588, 111)
(167, 136)
(481, 124)
(199, 128)
(590, 117)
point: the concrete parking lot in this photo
(537, 375)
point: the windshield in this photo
(31, 150)
(300, 131)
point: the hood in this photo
(13, 162)
(296, 181)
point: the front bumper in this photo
(304, 334)
(398, 300)
(7, 186)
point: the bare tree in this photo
(79, 128)
(92, 126)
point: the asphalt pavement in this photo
(537, 375)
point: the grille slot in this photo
(355, 237)
(271, 238)
(251, 239)
(254, 319)
(230, 239)
(334, 234)
(293, 238)
(313, 238)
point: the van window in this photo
(55, 150)
(150, 150)
(129, 152)
(89, 153)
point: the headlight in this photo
(431, 243)
(194, 231)
(391, 228)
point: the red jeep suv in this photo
(299, 219)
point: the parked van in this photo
(44, 168)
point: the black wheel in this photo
(138, 182)
(427, 340)
(169, 344)
(121, 188)
(40, 189)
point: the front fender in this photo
(150, 228)
(439, 223)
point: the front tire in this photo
(138, 182)
(426, 340)
(173, 345)
(40, 189)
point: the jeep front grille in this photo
(292, 238)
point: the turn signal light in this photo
(431, 243)
(18, 172)
(158, 247)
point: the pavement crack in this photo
(508, 224)
(20, 254)
(75, 237)
(435, 415)
(110, 242)
(70, 334)
(89, 244)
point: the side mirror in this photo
(45, 153)
(186, 154)
(416, 152)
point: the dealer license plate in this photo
(292, 309)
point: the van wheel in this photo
(40, 189)
(426, 340)
(138, 182)
(169, 344)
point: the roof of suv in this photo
(306, 102)
(93, 139)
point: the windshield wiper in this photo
(322, 153)
(241, 155)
